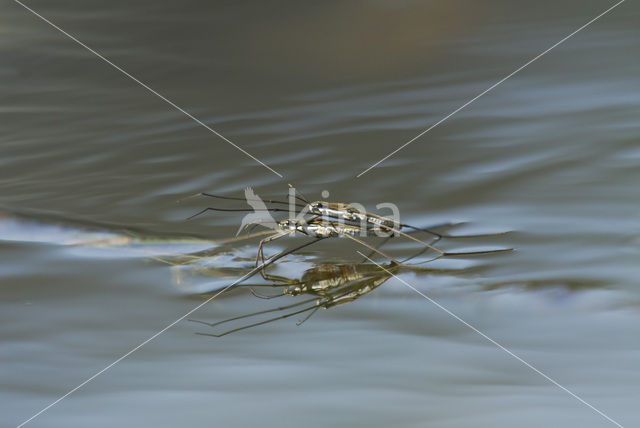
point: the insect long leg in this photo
(281, 280)
(439, 235)
(430, 229)
(259, 285)
(261, 296)
(406, 235)
(232, 198)
(260, 255)
(243, 237)
(317, 305)
(445, 253)
(427, 246)
(272, 260)
(253, 271)
(308, 316)
(436, 239)
(372, 248)
(234, 210)
(264, 296)
(419, 253)
(476, 253)
(282, 254)
(368, 256)
(253, 314)
(457, 254)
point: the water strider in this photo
(340, 211)
(330, 220)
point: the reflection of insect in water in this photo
(329, 286)
(333, 220)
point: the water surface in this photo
(320, 92)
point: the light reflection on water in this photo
(320, 93)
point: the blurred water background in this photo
(319, 92)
